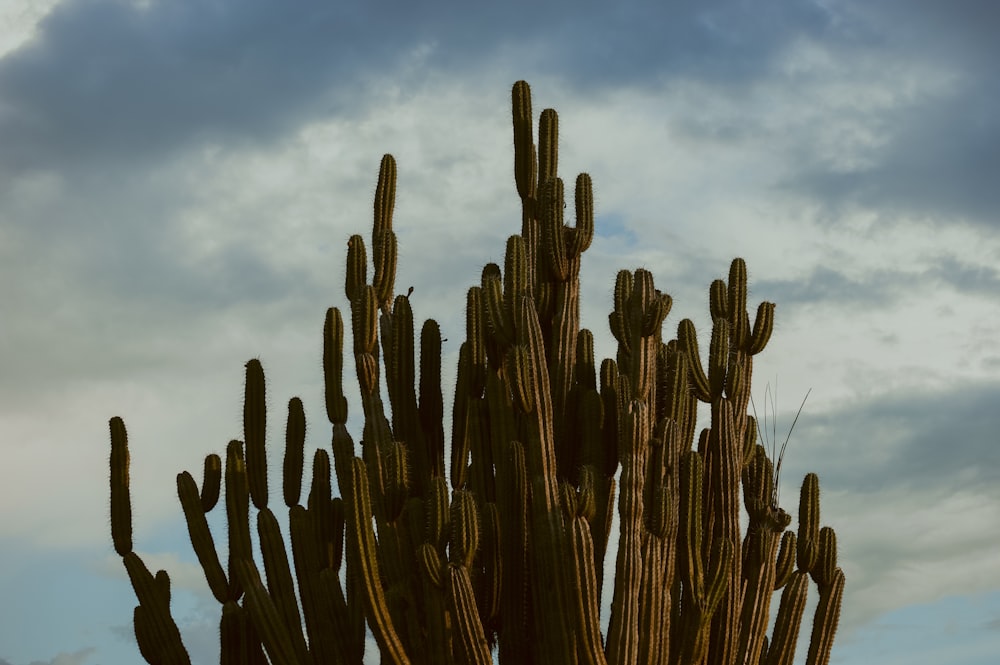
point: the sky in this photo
(178, 181)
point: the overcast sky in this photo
(178, 180)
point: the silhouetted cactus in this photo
(514, 558)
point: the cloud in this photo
(914, 440)
(932, 146)
(74, 658)
(113, 82)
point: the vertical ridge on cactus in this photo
(508, 562)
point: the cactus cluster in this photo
(506, 556)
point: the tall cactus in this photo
(509, 562)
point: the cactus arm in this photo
(471, 640)
(237, 514)
(254, 429)
(825, 620)
(201, 536)
(781, 648)
(362, 552)
(155, 626)
(333, 366)
(279, 583)
(266, 617)
(431, 407)
(121, 501)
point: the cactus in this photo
(509, 561)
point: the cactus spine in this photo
(510, 559)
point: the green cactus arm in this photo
(254, 430)
(488, 589)
(623, 631)
(341, 646)
(781, 648)
(785, 563)
(722, 479)
(279, 581)
(201, 536)
(825, 620)
(465, 420)
(383, 238)
(517, 271)
(524, 157)
(157, 626)
(211, 482)
(563, 382)
(145, 636)
(294, 460)
(357, 268)
(583, 235)
(586, 593)
(517, 634)
(363, 553)
(763, 325)
(737, 306)
(438, 514)
(237, 514)
(808, 539)
(321, 509)
(718, 358)
(551, 202)
(121, 501)
(464, 527)
(718, 299)
(548, 145)
(266, 617)
(397, 480)
(431, 406)
(433, 579)
(316, 610)
(825, 569)
(384, 264)
(333, 367)
(475, 335)
(364, 318)
(471, 640)
(399, 356)
(238, 641)
(687, 340)
(652, 639)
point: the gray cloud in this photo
(941, 157)
(109, 81)
(881, 288)
(75, 658)
(918, 440)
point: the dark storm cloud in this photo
(942, 155)
(909, 439)
(104, 79)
